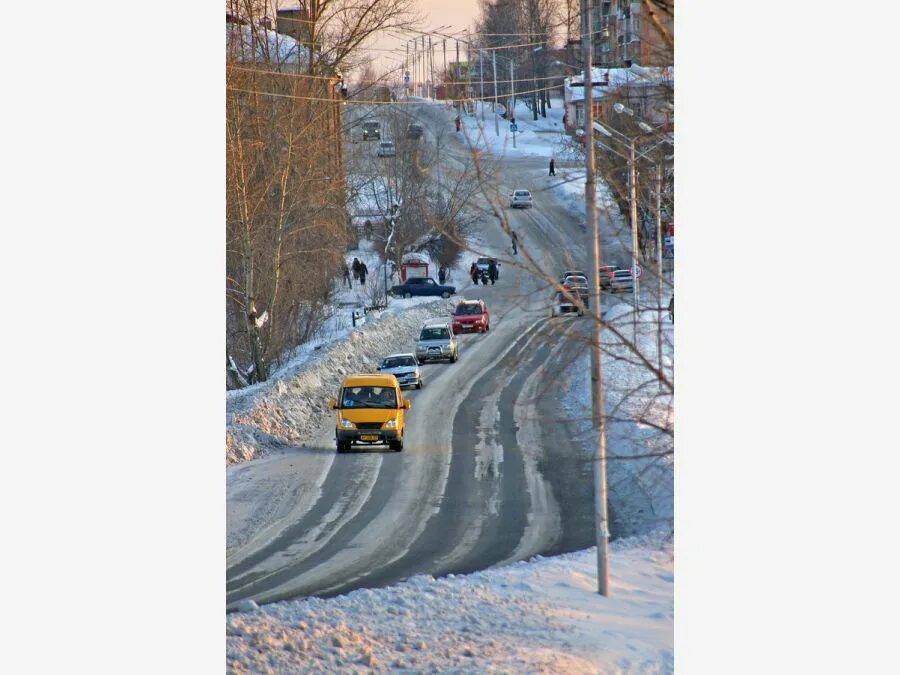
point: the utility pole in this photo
(512, 107)
(457, 79)
(424, 70)
(431, 67)
(659, 283)
(406, 71)
(496, 116)
(636, 280)
(445, 61)
(481, 76)
(601, 522)
(534, 103)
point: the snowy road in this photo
(488, 474)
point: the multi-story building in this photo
(625, 34)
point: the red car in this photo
(471, 315)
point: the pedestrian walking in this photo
(672, 309)
(347, 276)
(442, 275)
(515, 243)
(473, 272)
(355, 268)
(363, 271)
(492, 271)
(552, 167)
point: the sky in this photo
(459, 15)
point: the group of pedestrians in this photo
(359, 272)
(477, 273)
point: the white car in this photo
(621, 280)
(562, 305)
(520, 199)
(405, 367)
(387, 149)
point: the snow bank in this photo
(640, 466)
(289, 408)
(538, 616)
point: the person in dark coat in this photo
(552, 167)
(672, 309)
(515, 243)
(442, 275)
(347, 276)
(492, 271)
(356, 265)
(363, 271)
(473, 272)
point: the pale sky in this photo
(459, 14)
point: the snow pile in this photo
(535, 138)
(640, 444)
(290, 409)
(538, 616)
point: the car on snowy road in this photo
(471, 315)
(422, 286)
(621, 280)
(405, 367)
(437, 342)
(520, 199)
(563, 305)
(606, 273)
(370, 410)
(387, 149)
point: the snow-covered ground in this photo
(543, 137)
(640, 455)
(540, 616)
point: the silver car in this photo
(387, 149)
(520, 199)
(621, 280)
(405, 367)
(437, 342)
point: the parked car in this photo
(405, 367)
(471, 315)
(484, 263)
(371, 130)
(578, 284)
(422, 286)
(415, 131)
(621, 280)
(520, 199)
(606, 272)
(437, 341)
(562, 305)
(387, 149)
(370, 410)
(571, 273)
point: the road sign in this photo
(637, 271)
(514, 127)
(406, 77)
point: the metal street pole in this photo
(512, 107)
(424, 70)
(636, 283)
(496, 116)
(590, 208)
(431, 68)
(481, 77)
(534, 103)
(659, 283)
(457, 80)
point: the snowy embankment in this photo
(538, 616)
(291, 406)
(640, 443)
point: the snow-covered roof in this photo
(249, 44)
(616, 77)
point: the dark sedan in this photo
(422, 286)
